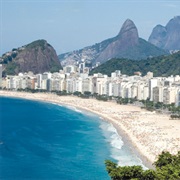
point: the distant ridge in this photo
(126, 44)
(167, 37)
(37, 57)
(160, 66)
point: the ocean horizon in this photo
(40, 140)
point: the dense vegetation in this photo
(37, 44)
(8, 62)
(8, 58)
(159, 106)
(167, 167)
(10, 69)
(160, 66)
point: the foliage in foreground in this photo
(167, 167)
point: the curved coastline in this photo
(147, 133)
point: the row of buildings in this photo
(71, 79)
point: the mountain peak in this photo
(128, 26)
(129, 32)
(126, 44)
(176, 19)
(167, 37)
(38, 56)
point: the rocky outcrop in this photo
(126, 39)
(167, 37)
(38, 57)
(126, 44)
(128, 34)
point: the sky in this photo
(74, 24)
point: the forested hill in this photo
(160, 66)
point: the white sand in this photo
(148, 132)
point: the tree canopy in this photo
(161, 66)
(167, 167)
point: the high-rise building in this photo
(39, 81)
(152, 83)
(0, 70)
(0, 75)
(178, 98)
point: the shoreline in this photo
(147, 133)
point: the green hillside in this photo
(160, 66)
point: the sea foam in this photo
(74, 109)
(113, 138)
(119, 151)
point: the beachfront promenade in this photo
(148, 132)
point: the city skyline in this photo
(72, 25)
(73, 79)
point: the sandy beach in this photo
(148, 132)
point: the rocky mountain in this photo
(126, 44)
(38, 57)
(167, 37)
(89, 53)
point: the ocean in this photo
(41, 140)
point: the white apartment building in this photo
(86, 85)
(0, 75)
(146, 92)
(169, 95)
(39, 81)
(69, 85)
(44, 84)
(158, 94)
(109, 88)
(77, 84)
(140, 90)
(149, 75)
(55, 85)
(23, 83)
(101, 87)
(99, 84)
(152, 83)
(116, 89)
(128, 90)
(122, 89)
(178, 97)
(159, 89)
(70, 69)
(134, 90)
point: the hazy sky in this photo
(73, 24)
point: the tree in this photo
(87, 93)
(14, 49)
(164, 159)
(149, 174)
(77, 93)
(167, 167)
(110, 166)
(14, 55)
(9, 58)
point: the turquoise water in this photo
(47, 141)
